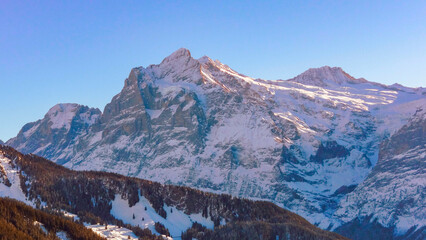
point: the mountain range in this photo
(343, 152)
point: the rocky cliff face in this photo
(393, 194)
(56, 133)
(305, 143)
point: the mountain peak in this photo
(205, 59)
(177, 67)
(325, 76)
(62, 107)
(61, 114)
(181, 53)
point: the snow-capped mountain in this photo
(304, 143)
(106, 202)
(326, 77)
(58, 130)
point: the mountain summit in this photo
(325, 76)
(181, 53)
(304, 144)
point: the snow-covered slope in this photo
(303, 143)
(112, 232)
(107, 201)
(10, 184)
(144, 215)
(393, 194)
(56, 133)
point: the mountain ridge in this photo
(201, 124)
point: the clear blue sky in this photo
(81, 51)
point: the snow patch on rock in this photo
(61, 115)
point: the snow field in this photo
(176, 222)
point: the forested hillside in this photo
(20, 221)
(93, 195)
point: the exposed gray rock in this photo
(328, 150)
(56, 134)
(393, 195)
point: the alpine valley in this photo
(347, 154)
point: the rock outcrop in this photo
(393, 194)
